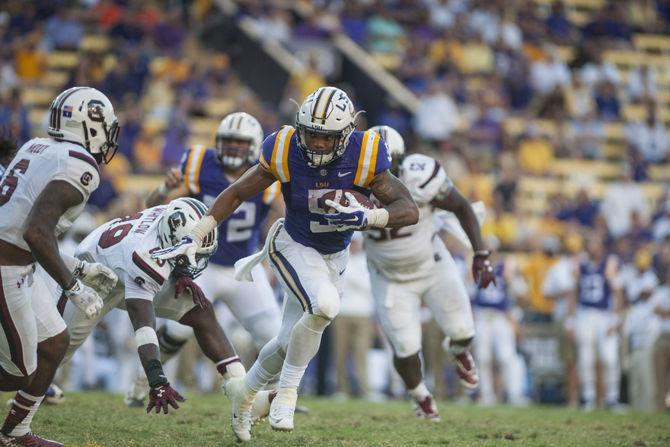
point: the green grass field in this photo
(97, 419)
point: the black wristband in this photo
(155, 375)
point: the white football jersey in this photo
(125, 245)
(404, 254)
(36, 164)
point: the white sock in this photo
(302, 347)
(420, 392)
(24, 407)
(267, 366)
(291, 376)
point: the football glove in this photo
(482, 269)
(85, 298)
(161, 396)
(187, 246)
(96, 275)
(185, 283)
(355, 216)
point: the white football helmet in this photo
(238, 126)
(328, 111)
(85, 116)
(394, 143)
(178, 219)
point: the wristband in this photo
(377, 218)
(483, 253)
(155, 375)
(203, 228)
(73, 288)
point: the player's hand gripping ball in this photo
(339, 196)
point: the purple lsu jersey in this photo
(302, 186)
(495, 295)
(239, 235)
(593, 287)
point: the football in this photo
(338, 196)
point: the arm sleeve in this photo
(81, 174)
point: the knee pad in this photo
(328, 301)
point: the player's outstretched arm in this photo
(172, 188)
(455, 202)
(143, 318)
(452, 200)
(252, 182)
(402, 211)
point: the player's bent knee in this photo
(328, 301)
(53, 349)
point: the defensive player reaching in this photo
(308, 251)
(204, 173)
(150, 288)
(410, 266)
(45, 188)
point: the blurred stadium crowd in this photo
(553, 113)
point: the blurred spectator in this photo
(558, 25)
(106, 192)
(588, 136)
(63, 30)
(535, 151)
(661, 225)
(148, 151)
(597, 310)
(507, 181)
(305, 82)
(353, 21)
(486, 132)
(176, 135)
(609, 23)
(384, 34)
(583, 210)
(274, 25)
(650, 137)
(549, 77)
(638, 279)
(661, 304)
(14, 115)
(30, 62)
(131, 115)
(640, 330)
(607, 102)
(353, 328)
(597, 71)
(540, 261)
(501, 224)
(621, 199)
(496, 334)
(8, 78)
(579, 98)
(169, 34)
(126, 29)
(641, 84)
(437, 116)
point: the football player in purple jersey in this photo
(308, 249)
